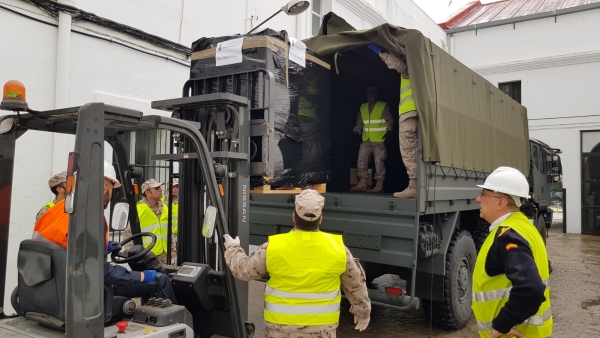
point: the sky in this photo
(440, 10)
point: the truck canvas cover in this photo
(464, 121)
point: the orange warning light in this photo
(13, 96)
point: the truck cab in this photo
(545, 174)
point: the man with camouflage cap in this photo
(306, 269)
(57, 186)
(153, 216)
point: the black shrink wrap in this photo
(296, 151)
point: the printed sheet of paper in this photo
(298, 52)
(229, 52)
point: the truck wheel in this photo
(541, 225)
(455, 310)
(479, 232)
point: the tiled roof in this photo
(476, 13)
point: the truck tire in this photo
(455, 310)
(541, 226)
(479, 232)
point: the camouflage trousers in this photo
(409, 142)
(292, 331)
(379, 153)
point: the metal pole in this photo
(252, 30)
(564, 207)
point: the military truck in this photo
(467, 128)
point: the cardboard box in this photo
(354, 177)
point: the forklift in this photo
(61, 291)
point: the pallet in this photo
(267, 189)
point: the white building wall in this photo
(558, 65)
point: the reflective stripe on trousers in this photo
(533, 320)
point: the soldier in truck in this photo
(408, 122)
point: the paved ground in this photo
(575, 297)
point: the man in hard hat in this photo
(57, 186)
(374, 121)
(153, 215)
(511, 294)
(408, 122)
(54, 226)
(307, 267)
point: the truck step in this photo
(268, 189)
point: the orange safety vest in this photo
(54, 225)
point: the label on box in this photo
(229, 52)
(298, 52)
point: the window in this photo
(316, 17)
(512, 89)
(535, 158)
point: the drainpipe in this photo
(61, 96)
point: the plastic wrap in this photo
(293, 105)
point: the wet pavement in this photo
(575, 298)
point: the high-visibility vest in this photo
(174, 215)
(149, 222)
(305, 268)
(49, 204)
(54, 225)
(374, 124)
(491, 293)
(407, 103)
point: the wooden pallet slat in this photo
(268, 189)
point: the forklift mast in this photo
(92, 125)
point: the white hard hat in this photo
(109, 172)
(508, 181)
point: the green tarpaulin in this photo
(465, 121)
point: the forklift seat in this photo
(42, 280)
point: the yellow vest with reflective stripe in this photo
(491, 293)
(174, 217)
(49, 204)
(374, 124)
(305, 268)
(150, 223)
(407, 103)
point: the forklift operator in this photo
(54, 225)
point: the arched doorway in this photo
(590, 182)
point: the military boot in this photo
(409, 192)
(378, 187)
(361, 186)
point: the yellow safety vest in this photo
(174, 215)
(150, 223)
(49, 204)
(374, 124)
(491, 293)
(305, 268)
(407, 103)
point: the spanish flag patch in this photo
(511, 246)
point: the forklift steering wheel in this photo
(122, 257)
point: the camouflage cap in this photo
(372, 90)
(57, 179)
(151, 183)
(309, 205)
